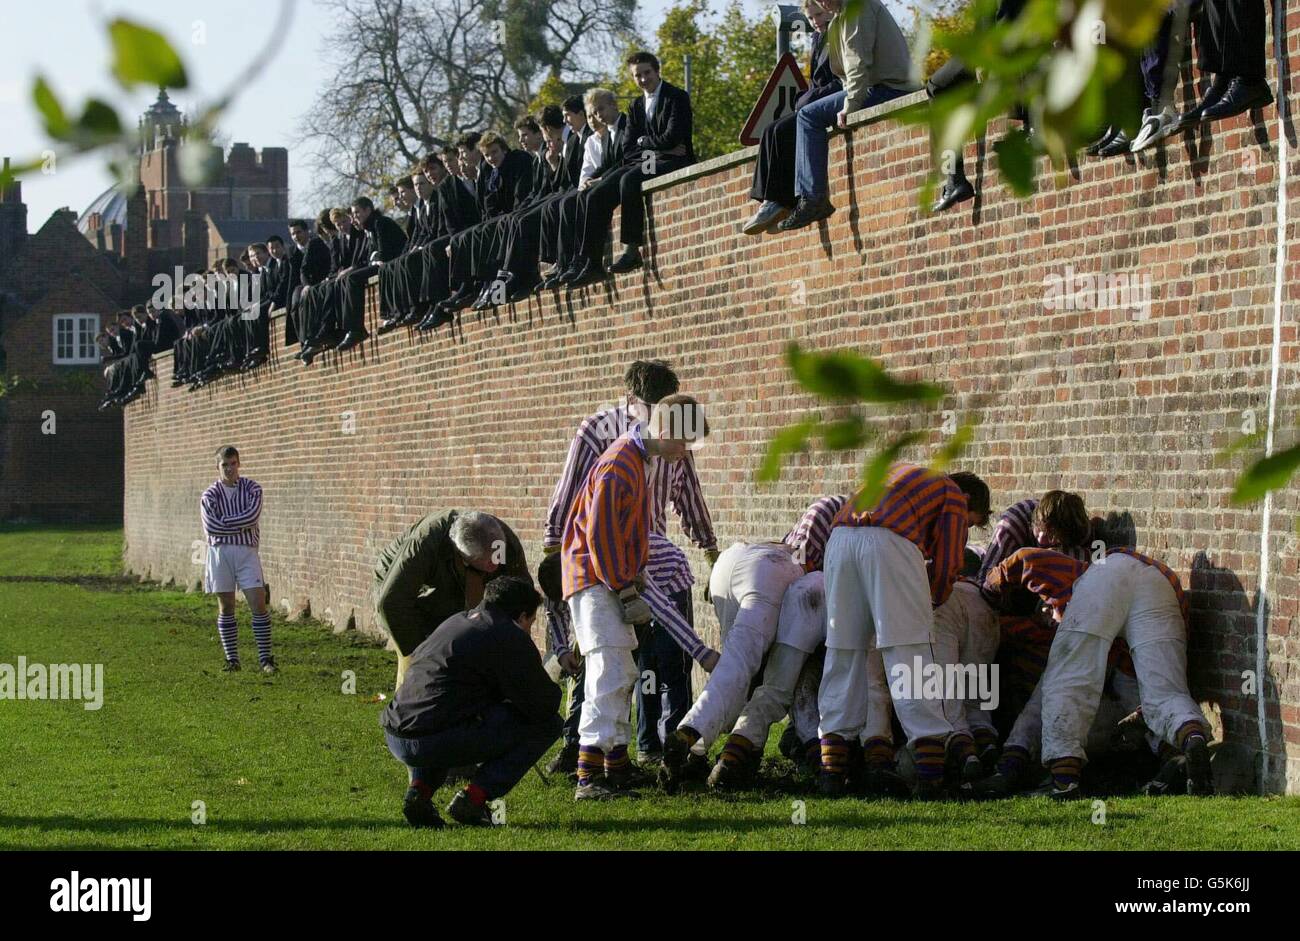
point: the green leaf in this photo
(9, 175)
(1244, 443)
(846, 434)
(142, 56)
(876, 472)
(1133, 22)
(791, 440)
(1269, 473)
(845, 376)
(954, 448)
(51, 109)
(1016, 162)
(99, 120)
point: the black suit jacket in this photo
(315, 265)
(350, 250)
(671, 126)
(383, 237)
(458, 209)
(571, 159)
(510, 186)
(822, 79)
(617, 141)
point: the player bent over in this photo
(879, 596)
(230, 510)
(1135, 597)
(605, 550)
(475, 693)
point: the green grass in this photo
(292, 762)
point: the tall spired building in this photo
(245, 199)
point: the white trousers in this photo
(799, 632)
(877, 602)
(607, 644)
(1121, 597)
(1027, 732)
(748, 585)
(966, 635)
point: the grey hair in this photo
(476, 535)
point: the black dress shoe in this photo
(464, 297)
(571, 273)
(389, 325)
(806, 213)
(1107, 136)
(436, 320)
(591, 272)
(1241, 96)
(352, 340)
(1119, 144)
(630, 260)
(955, 191)
(522, 288)
(1215, 92)
(487, 297)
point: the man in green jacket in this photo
(438, 569)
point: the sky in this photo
(66, 41)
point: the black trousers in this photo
(435, 278)
(774, 170)
(399, 282)
(569, 218)
(464, 246)
(524, 241)
(1232, 35)
(352, 299)
(620, 187)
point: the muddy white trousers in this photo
(799, 632)
(610, 671)
(1120, 597)
(966, 636)
(877, 602)
(748, 585)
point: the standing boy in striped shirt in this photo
(604, 555)
(887, 568)
(668, 648)
(230, 510)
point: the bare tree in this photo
(411, 75)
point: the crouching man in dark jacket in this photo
(475, 693)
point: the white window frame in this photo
(91, 330)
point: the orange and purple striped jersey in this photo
(607, 534)
(1047, 573)
(1168, 573)
(929, 510)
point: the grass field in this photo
(292, 762)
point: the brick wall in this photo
(1128, 409)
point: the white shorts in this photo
(232, 568)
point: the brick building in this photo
(247, 191)
(60, 458)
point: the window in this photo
(74, 339)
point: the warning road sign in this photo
(783, 87)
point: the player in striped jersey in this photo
(660, 709)
(603, 562)
(230, 510)
(800, 630)
(887, 567)
(1126, 594)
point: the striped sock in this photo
(1188, 733)
(1066, 771)
(929, 759)
(477, 796)
(616, 760)
(985, 738)
(835, 754)
(421, 786)
(1014, 760)
(687, 735)
(962, 744)
(879, 753)
(591, 764)
(228, 631)
(262, 634)
(736, 751)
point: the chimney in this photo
(13, 219)
(136, 245)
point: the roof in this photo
(111, 206)
(246, 231)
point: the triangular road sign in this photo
(783, 87)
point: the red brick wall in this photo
(1129, 411)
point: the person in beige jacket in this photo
(870, 54)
